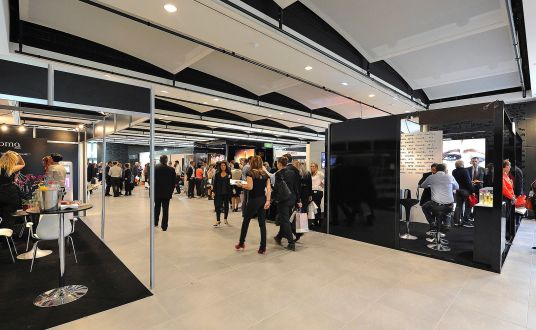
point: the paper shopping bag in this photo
(302, 223)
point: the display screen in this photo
(454, 150)
(323, 159)
(243, 153)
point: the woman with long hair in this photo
(222, 192)
(260, 191)
(306, 191)
(10, 163)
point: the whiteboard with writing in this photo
(419, 150)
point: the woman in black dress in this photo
(127, 178)
(260, 190)
(10, 163)
(222, 192)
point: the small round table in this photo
(28, 255)
(63, 294)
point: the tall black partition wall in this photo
(364, 180)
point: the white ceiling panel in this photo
(313, 97)
(248, 76)
(482, 55)
(74, 17)
(507, 80)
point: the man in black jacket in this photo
(190, 177)
(164, 180)
(427, 192)
(466, 186)
(108, 178)
(291, 176)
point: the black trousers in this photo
(255, 208)
(191, 187)
(108, 185)
(128, 188)
(116, 185)
(437, 214)
(198, 186)
(285, 229)
(164, 204)
(222, 205)
(317, 199)
(9, 203)
(462, 206)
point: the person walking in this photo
(146, 176)
(287, 194)
(211, 173)
(260, 191)
(306, 192)
(178, 173)
(108, 178)
(222, 193)
(199, 181)
(190, 178)
(236, 174)
(164, 181)
(127, 179)
(317, 178)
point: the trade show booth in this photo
(376, 168)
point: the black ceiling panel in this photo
(269, 122)
(171, 106)
(225, 115)
(326, 112)
(283, 101)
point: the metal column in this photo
(103, 182)
(151, 193)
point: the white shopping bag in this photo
(302, 223)
(311, 211)
(292, 216)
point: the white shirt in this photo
(116, 172)
(57, 172)
(318, 181)
(442, 186)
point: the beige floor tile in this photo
(378, 316)
(462, 319)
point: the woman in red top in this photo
(508, 184)
(198, 180)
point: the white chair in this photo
(48, 230)
(8, 234)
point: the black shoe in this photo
(277, 240)
(107, 195)
(164, 229)
(298, 236)
(468, 224)
(291, 247)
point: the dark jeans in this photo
(222, 204)
(317, 199)
(198, 187)
(437, 214)
(108, 185)
(128, 188)
(255, 207)
(164, 204)
(116, 185)
(461, 199)
(191, 186)
(285, 229)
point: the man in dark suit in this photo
(108, 178)
(190, 177)
(164, 179)
(427, 192)
(476, 173)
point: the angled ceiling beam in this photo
(193, 56)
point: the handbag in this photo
(282, 191)
(311, 211)
(302, 223)
(521, 201)
(472, 199)
(293, 216)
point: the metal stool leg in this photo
(14, 246)
(74, 250)
(10, 251)
(34, 253)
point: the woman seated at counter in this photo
(10, 163)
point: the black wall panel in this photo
(23, 80)
(364, 180)
(73, 88)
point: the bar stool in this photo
(437, 242)
(8, 234)
(408, 203)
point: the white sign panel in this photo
(419, 150)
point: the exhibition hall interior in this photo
(267, 164)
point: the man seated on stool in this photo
(442, 186)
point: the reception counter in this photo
(489, 240)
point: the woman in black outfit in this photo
(461, 175)
(260, 190)
(10, 163)
(127, 178)
(306, 192)
(222, 192)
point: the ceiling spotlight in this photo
(4, 128)
(107, 76)
(216, 99)
(165, 149)
(407, 111)
(81, 126)
(269, 115)
(371, 95)
(22, 129)
(281, 113)
(170, 8)
(308, 68)
(344, 83)
(165, 92)
(205, 103)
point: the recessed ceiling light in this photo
(281, 113)
(344, 83)
(170, 8)
(371, 95)
(299, 119)
(165, 92)
(22, 129)
(269, 115)
(308, 68)
(407, 111)
(107, 76)
(4, 128)
(205, 103)
(216, 99)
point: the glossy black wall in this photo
(364, 180)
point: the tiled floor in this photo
(329, 283)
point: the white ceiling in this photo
(446, 47)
